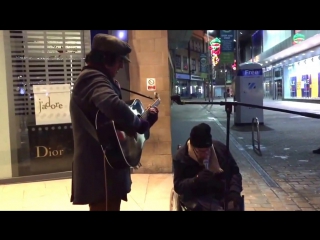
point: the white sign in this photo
(151, 84)
(51, 104)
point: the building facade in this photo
(38, 69)
(190, 72)
(291, 64)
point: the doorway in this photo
(278, 89)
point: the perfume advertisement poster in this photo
(51, 104)
(51, 148)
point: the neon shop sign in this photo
(215, 48)
(298, 38)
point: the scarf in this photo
(214, 165)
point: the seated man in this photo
(205, 175)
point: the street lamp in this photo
(237, 60)
(209, 70)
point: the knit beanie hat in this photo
(200, 136)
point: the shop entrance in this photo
(277, 89)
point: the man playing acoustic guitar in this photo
(96, 89)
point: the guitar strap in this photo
(92, 131)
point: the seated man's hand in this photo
(204, 177)
(221, 176)
(211, 180)
(233, 200)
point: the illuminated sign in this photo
(250, 72)
(215, 47)
(298, 38)
(234, 65)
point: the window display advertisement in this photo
(51, 104)
(51, 140)
(302, 79)
(40, 68)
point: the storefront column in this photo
(149, 59)
(7, 151)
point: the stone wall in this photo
(149, 59)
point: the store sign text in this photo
(46, 105)
(43, 151)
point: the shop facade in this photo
(37, 71)
(302, 76)
(196, 86)
(40, 69)
(182, 85)
(292, 67)
(267, 82)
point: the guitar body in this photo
(120, 149)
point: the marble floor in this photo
(149, 192)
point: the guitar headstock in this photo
(156, 95)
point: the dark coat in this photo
(186, 169)
(94, 91)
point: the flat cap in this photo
(109, 43)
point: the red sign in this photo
(151, 84)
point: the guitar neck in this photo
(155, 104)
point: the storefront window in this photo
(302, 79)
(196, 89)
(181, 88)
(182, 84)
(42, 66)
(268, 83)
(266, 86)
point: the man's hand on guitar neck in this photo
(145, 125)
(152, 115)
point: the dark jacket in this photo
(93, 91)
(186, 169)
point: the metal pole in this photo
(237, 63)
(208, 66)
(204, 80)
(237, 49)
(225, 82)
(211, 78)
